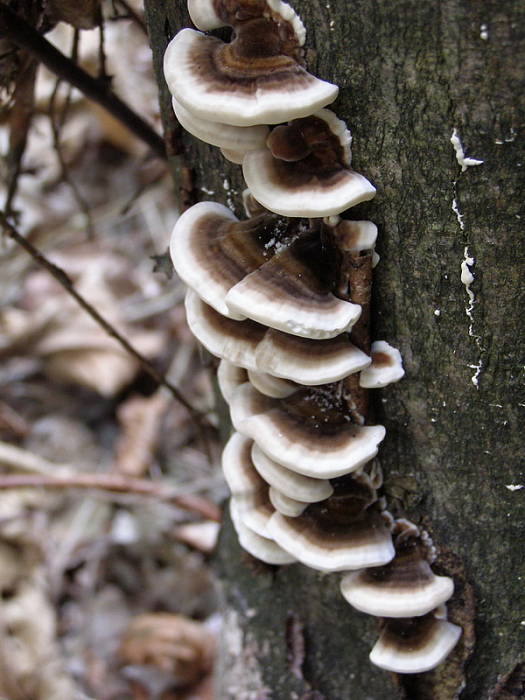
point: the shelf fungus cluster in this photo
(265, 296)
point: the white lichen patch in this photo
(467, 278)
(463, 161)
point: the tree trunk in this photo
(410, 72)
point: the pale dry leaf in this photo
(140, 420)
(171, 642)
(73, 347)
(28, 629)
(201, 536)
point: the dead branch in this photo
(115, 484)
(62, 277)
(23, 35)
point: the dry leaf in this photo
(172, 643)
(140, 419)
(201, 536)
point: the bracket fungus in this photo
(289, 482)
(255, 347)
(386, 367)
(259, 547)
(257, 78)
(291, 292)
(212, 250)
(346, 531)
(239, 139)
(262, 268)
(405, 587)
(305, 169)
(274, 296)
(285, 505)
(416, 644)
(305, 432)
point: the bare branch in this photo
(115, 484)
(23, 35)
(62, 277)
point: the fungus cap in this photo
(355, 236)
(244, 83)
(235, 341)
(405, 587)
(312, 177)
(239, 139)
(290, 483)
(259, 547)
(212, 250)
(229, 377)
(249, 490)
(288, 293)
(300, 434)
(328, 546)
(213, 14)
(309, 361)
(254, 347)
(386, 367)
(284, 504)
(414, 645)
(271, 386)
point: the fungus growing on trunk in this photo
(240, 139)
(416, 644)
(386, 367)
(252, 346)
(305, 169)
(259, 547)
(289, 482)
(406, 586)
(306, 432)
(257, 78)
(263, 268)
(346, 531)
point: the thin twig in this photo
(62, 277)
(23, 35)
(57, 121)
(114, 484)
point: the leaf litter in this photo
(102, 595)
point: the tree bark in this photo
(410, 73)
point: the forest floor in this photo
(106, 585)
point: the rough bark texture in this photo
(410, 72)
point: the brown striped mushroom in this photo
(292, 292)
(346, 531)
(263, 268)
(289, 482)
(259, 547)
(386, 367)
(416, 644)
(257, 78)
(212, 250)
(306, 432)
(248, 488)
(406, 586)
(235, 139)
(305, 169)
(255, 347)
